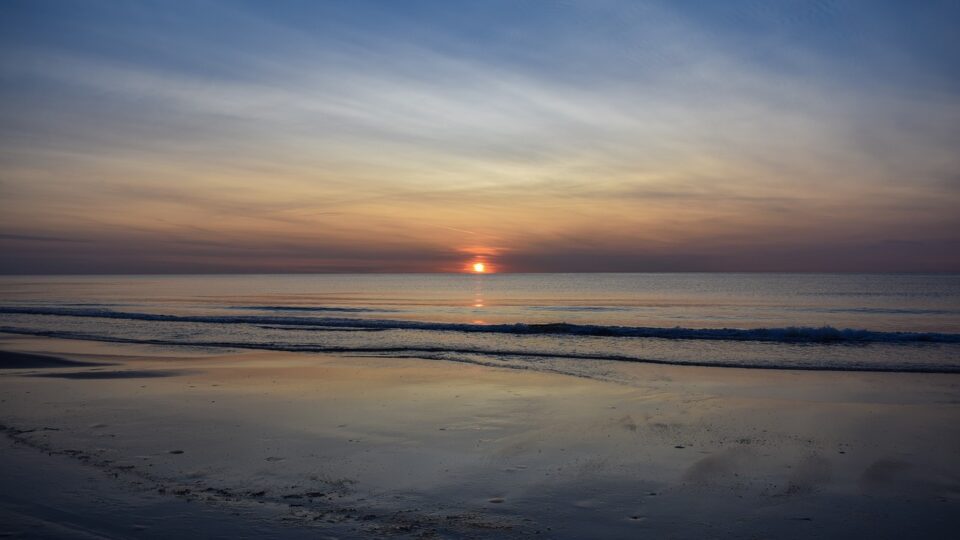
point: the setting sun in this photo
(479, 267)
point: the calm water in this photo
(572, 322)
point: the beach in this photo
(571, 270)
(308, 444)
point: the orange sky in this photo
(131, 145)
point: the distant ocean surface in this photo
(560, 322)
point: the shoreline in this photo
(407, 447)
(425, 352)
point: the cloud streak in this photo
(636, 135)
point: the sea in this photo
(571, 323)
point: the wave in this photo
(468, 354)
(825, 334)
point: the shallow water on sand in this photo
(374, 447)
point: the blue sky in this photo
(538, 136)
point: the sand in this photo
(254, 444)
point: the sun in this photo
(479, 268)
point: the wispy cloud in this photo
(655, 134)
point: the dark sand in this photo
(16, 360)
(289, 445)
(126, 374)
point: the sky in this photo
(535, 136)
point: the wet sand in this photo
(290, 445)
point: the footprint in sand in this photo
(627, 423)
(895, 476)
(812, 471)
(719, 466)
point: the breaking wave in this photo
(825, 334)
(491, 356)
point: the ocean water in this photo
(575, 323)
